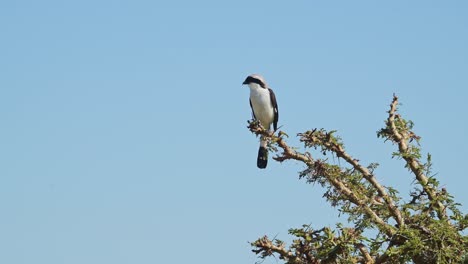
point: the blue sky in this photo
(124, 133)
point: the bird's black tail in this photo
(262, 158)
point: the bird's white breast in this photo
(261, 104)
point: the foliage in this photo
(427, 229)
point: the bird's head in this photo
(255, 79)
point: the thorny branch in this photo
(403, 136)
(266, 247)
(337, 182)
(414, 235)
(288, 152)
(367, 257)
(311, 138)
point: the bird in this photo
(264, 109)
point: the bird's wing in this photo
(275, 108)
(253, 114)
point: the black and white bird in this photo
(264, 109)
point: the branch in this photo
(402, 137)
(265, 247)
(351, 196)
(367, 257)
(288, 152)
(336, 182)
(420, 231)
(318, 138)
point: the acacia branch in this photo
(365, 254)
(402, 138)
(288, 152)
(352, 197)
(266, 247)
(314, 138)
(415, 233)
(337, 183)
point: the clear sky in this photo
(123, 123)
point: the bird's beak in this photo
(245, 82)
